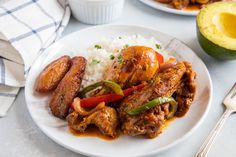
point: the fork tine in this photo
(232, 92)
(230, 100)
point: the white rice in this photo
(99, 58)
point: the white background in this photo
(20, 137)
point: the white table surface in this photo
(20, 137)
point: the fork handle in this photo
(203, 151)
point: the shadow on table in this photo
(31, 137)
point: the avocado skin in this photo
(215, 50)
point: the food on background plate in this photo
(128, 84)
(216, 30)
(188, 4)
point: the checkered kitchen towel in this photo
(27, 28)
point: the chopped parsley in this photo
(98, 46)
(158, 46)
(112, 57)
(120, 37)
(125, 46)
(120, 59)
(94, 61)
(150, 81)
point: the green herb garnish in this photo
(150, 81)
(120, 59)
(158, 46)
(98, 46)
(94, 61)
(112, 57)
(125, 46)
(120, 38)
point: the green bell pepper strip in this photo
(173, 108)
(154, 103)
(106, 83)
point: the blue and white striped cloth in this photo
(27, 28)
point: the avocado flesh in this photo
(217, 29)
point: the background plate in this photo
(168, 8)
(76, 44)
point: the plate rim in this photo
(155, 5)
(177, 141)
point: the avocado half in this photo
(216, 30)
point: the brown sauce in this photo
(93, 131)
(167, 122)
(193, 7)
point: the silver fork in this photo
(230, 103)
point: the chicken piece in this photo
(180, 4)
(105, 119)
(202, 4)
(186, 91)
(149, 123)
(134, 65)
(50, 77)
(68, 88)
(76, 105)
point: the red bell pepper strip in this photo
(93, 101)
(160, 58)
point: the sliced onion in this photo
(168, 64)
(83, 112)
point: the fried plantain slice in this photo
(68, 88)
(50, 77)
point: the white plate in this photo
(76, 44)
(168, 8)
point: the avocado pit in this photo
(226, 23)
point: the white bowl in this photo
(96, 11)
